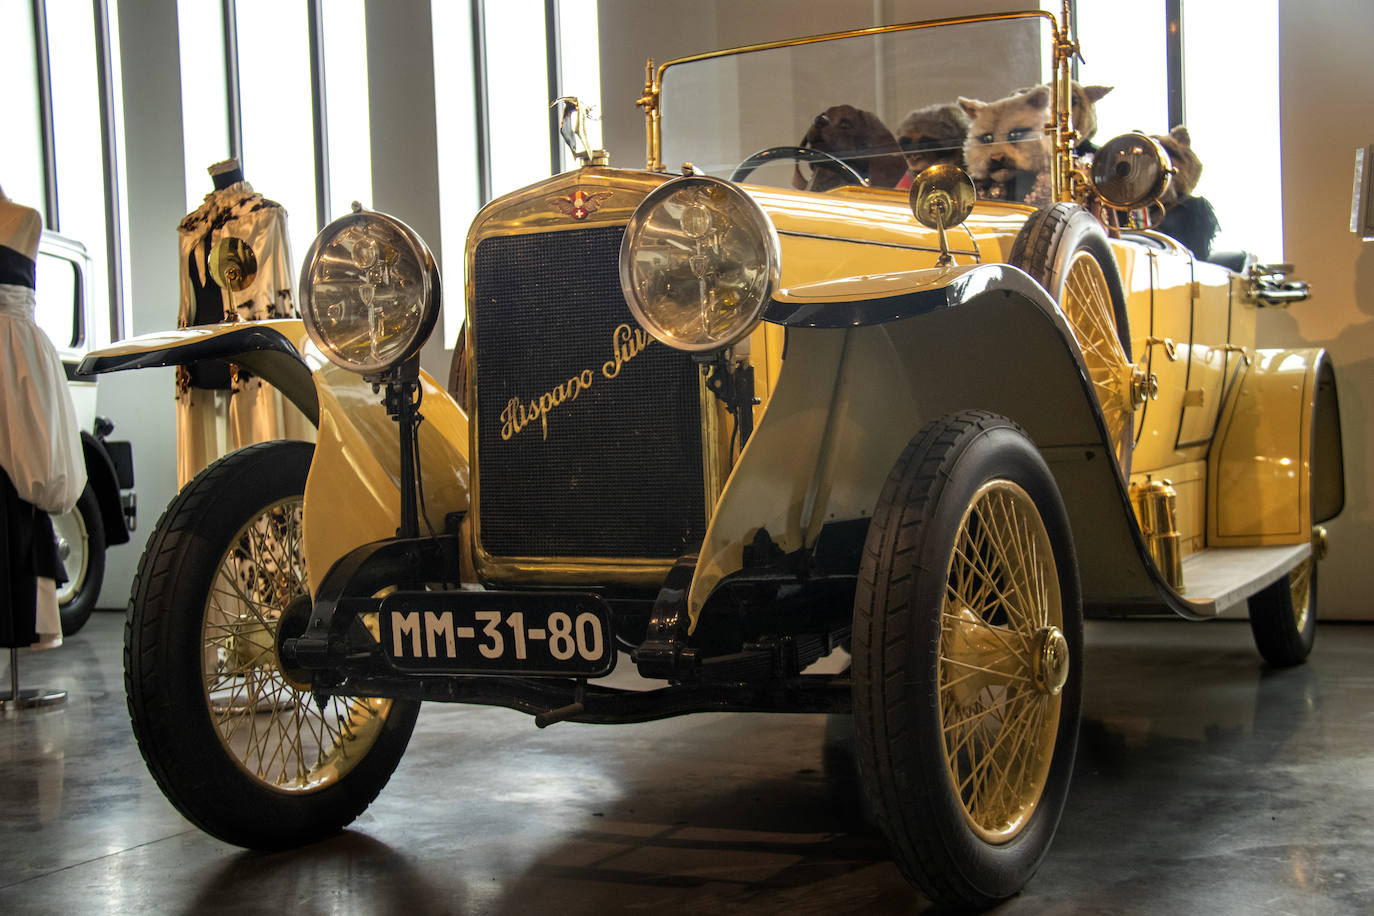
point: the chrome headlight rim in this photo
(757, 222)
(429, 294)
(1151, 154)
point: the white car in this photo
(77, 321)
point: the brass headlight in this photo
(699, 263)
(1130, 171)
(369, 292)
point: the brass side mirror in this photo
(942, 197)
(233, 264)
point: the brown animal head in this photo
(933, 135)
(1083, 108)
(1007, 150)
(1187, 166)
(859, 139)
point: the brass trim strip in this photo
(854, 241)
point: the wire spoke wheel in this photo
(1065, 249)
(999, 698)
(241, 746)
(1283, 616)
(1087, 303)
(274, 730)
(967, 645)
(1300, 594)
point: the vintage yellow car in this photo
(726, 415)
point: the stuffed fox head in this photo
(1007, 144)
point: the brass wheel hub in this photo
(261, 709)
(1050, 661)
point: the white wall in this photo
(1327, 109)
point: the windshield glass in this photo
(883, 105)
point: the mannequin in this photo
(221, 407)
(40, 448)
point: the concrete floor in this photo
(1205, 783)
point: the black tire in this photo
(1048, 248)
(240, 752)
(81, 544)
(957, 481)
(1283, 617)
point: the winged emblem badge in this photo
(580, 203)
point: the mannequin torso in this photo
(20, 227)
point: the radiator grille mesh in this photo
(615, 469)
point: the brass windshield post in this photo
(1066, 138)
(649, 102)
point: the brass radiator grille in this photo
(589, 433)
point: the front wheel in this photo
(244, 753)
(967, 670)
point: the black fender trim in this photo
(935, 291)
(264, 351)
(348, 589)
(1328, 448)
(104, 483)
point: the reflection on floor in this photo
(1205, 783)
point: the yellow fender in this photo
(352, 496)
(868, 363)
(1279, 444)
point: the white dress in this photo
(40, 447)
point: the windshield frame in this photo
(1063, 50)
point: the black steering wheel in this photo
(800, 154)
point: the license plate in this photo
(498, 633)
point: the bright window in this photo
(21, 153)
(278, 132)
(79, 152)
(346, 106)
(1124, 47)
(581, 63)
(517, 94)
(1242, 174)
(456, 132)
(204, 108)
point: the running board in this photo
(1220, 579)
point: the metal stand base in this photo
(32, 698)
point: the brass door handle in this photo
(1170, 348)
